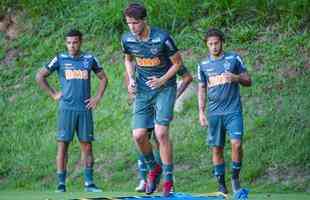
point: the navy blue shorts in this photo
(219, 125)
(71, 121)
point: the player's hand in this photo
(203, 119)
(230, 77)
(131, 87)
(154, 82)
(56, 95)
(92, 102)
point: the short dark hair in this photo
(74, 32)
(214, 32)
(136, 11)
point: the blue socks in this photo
(62, 177)
(168, 172)
(150, 160)
(88, 176)
(142, 168)
(157, 157)
(219, 172)
(236, 167)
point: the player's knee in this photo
(218, 152)
(86, 148)
(140, 137)
(236, 145)
(162, 137)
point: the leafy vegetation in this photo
(272, 36)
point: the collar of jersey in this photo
(219, 58)
(76, 57)
(147, 38)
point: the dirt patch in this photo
(259, 63)
(9, 25)
(11, 28)
(297, 177)
(11, 55)
(289, 72)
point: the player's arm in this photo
(41, 79)
(103, 82)
(240, 76)
(202, 104)
(130, 70)
(243, 78)
(186, 80)
(155, 82)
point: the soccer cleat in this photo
(153, 179)
(167, 188)
(141, 187)
(61, 188)
(92, 188)
(241, 194)
(223, 189)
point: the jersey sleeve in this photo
(170, 46)
(96, 67)
(124, 46)
(201, 76)
(183, 70)
(240, 67)
(53, 64)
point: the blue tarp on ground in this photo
(174, 196)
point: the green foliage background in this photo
(271, 35)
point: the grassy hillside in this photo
(272, 36)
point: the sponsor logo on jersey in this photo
(76, 74)
(68, 64)
(148, 62)
(217, 80)
(155, 40)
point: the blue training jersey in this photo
(223, 97)
(75, 78)
(152, 57)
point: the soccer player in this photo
(156, 59)
(220, 74)
(186, 79)
(75, 104)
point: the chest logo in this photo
(154, 50)
(76, 74)
(85, 64)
